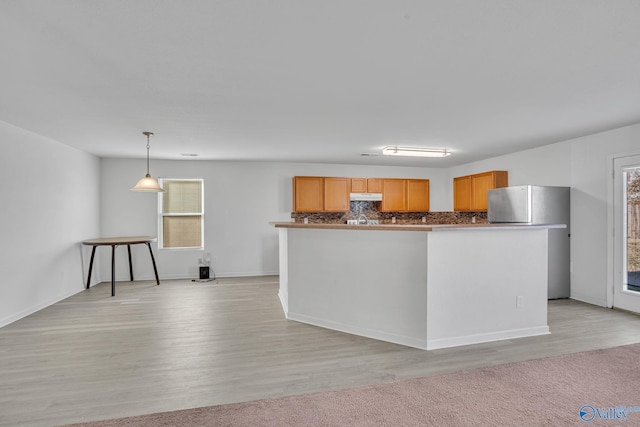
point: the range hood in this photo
(365, 197)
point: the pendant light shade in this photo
(147, 184)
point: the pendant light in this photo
(147, 184)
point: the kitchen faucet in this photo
(362, 216)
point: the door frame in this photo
(616, 233)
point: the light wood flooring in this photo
(184, 344)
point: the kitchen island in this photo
(424, 286)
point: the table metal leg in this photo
(153, 260)
(130, 264)
(113, 270)
(93, 252)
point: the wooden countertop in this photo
(418, 227)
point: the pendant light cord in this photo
(148, 134)
(148, 156)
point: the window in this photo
(632, 229)
(181, 214)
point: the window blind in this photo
(182, 213)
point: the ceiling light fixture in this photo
(415, 151)
(147, 184)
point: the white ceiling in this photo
(318, 80)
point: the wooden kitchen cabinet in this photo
(483, 182)
(462, 193)
(336, 194)
(308, 194)
(366, 185)
(470, 192)
(358, 185)
(331, 194)
(321, 194)
(405, 195)
(417, 195)
(394, 195)
(374, 185)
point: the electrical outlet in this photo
(520, 301)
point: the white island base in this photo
(426, 287)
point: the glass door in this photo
(627, 233)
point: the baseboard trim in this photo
(363, 332)
(488, 337)
(26, 312)
(126, 278)
(593, 301)
(283, 303)
(423, 344)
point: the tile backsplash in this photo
(372, 211)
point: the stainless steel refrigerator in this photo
(534, 204)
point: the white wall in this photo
(50, 202)
(591, 205)
(584, 164)
(241, 198)
(547, 165)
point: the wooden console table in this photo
(114, 242)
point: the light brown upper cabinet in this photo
(366, 185)
(405, 195)
(470, 192)
(462, 193)
(336, 194)
(417, 195)
(308, 194)
(374, 185)
(394, 195)
(320, 194)
(483, 182)
(330, 194)
(358, 185)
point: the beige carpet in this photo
(604, 384)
